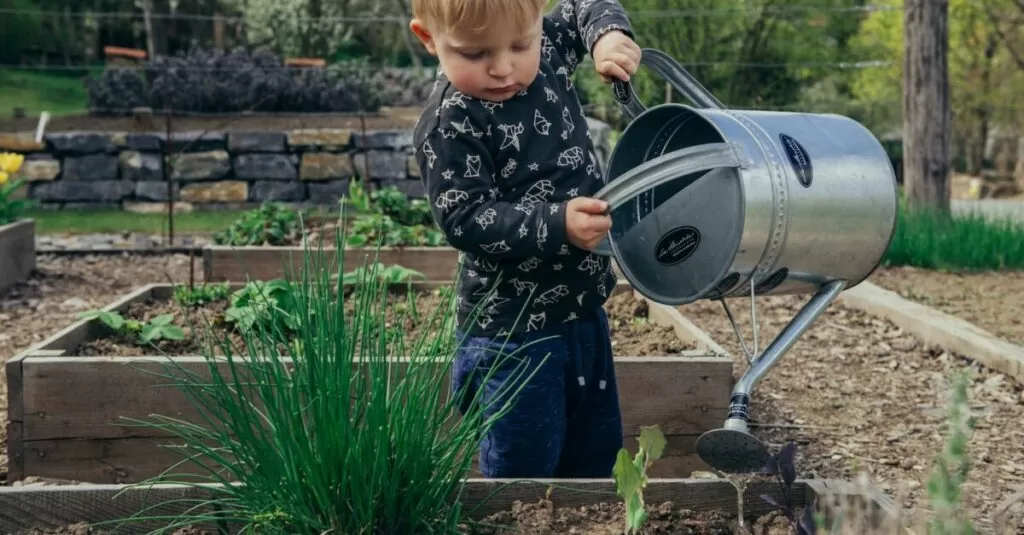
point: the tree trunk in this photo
(926, 105)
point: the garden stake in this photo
(711, 203)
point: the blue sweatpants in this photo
(565, 422)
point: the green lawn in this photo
(89, 221)
(57, 93)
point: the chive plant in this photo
(329, 423)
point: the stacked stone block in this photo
(210, 170)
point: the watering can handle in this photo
(671, 71)
(666, 168)
(663, 169)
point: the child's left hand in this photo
(616, 56)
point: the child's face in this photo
(492, 65)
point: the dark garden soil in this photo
(390, 118)
(667, 518)
(633, 333)
(542, 518)
(84, 529)
(990, 300)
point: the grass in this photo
(969, 242)
(59, 94)
(112, 221)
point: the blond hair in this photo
(477, 16)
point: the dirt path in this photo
(61, 288)
(856, 392)
(990, 300)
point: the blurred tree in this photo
(986, 82)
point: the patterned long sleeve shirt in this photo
(499, 174)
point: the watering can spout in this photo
(732, 448)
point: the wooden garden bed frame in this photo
(242, 263)
(64, 410)
(17, 252)
(50, 507)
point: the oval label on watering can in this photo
(677, 245)
(799, 159)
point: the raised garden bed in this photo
(67, 395)
(553, 507)
(17, 252)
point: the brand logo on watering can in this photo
(677, 245)
(799, 159)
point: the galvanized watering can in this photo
(711, 203)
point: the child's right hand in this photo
(586, 222)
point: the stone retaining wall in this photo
(217, 170)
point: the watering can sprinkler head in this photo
(732, 449)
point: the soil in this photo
(858, 393)
(633, 334)
(388, 118)
(989, 300)
(542, 518)
(84, 529)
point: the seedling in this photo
(194, 296)
(631, 475)
(159, 328)
(783, 466)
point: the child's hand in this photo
(586, 222)
(616, 56)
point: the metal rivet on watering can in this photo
(712, 203)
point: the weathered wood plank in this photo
(26, 508)
(17, 252)
(132, 460)
(87, 397)
(229, 263)
(936, 327)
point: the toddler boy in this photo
(508, 165)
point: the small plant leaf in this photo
(787, 463)
(173, 332)
(808, 525)
(636, 514)
(162, 319)
(628, 479)
(652, 441)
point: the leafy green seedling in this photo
(159, 328)
(631, 474)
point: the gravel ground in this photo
(990, 300)
(64, 286)
(857, 393)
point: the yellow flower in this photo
(10, 162)
(3, 178)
